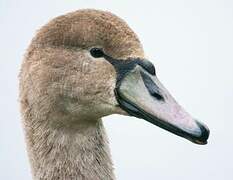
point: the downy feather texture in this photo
(64, 92)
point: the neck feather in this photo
(69, 153)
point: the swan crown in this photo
(92, 28)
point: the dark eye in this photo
(97, 52)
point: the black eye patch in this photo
(122, 67)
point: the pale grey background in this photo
(191, 44)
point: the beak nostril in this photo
(157, 96)
(152, 88)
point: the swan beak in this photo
(141, 94)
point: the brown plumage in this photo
(64, 92)
(60, 84)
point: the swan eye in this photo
(97, 52)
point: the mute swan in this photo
(80, 67)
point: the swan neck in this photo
(69, 153)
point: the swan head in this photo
(90, 64)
